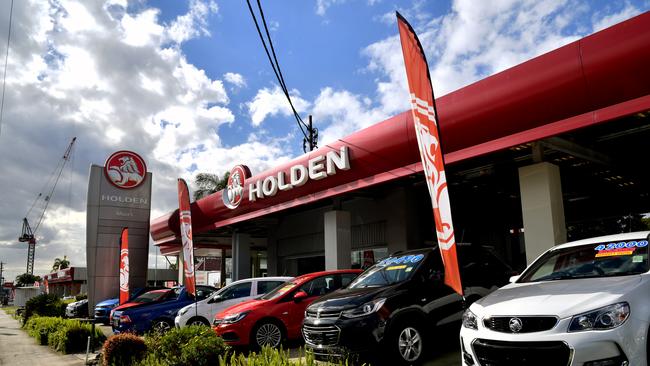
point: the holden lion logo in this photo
(515, 325)
(124, 270)
(125, 169)
(233, 194)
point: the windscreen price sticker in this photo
(620, 248)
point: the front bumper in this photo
(625, 343)
(341, 336)
(234, 334)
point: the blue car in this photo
(154, 310)
(103, 309)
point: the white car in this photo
(234, 293)
(582, 303)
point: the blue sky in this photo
(187, 85)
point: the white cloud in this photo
(473, 41)
(627, 12)
(115, 79)
(237, 80)
(322, 5)
(271, 102)
(192, 24)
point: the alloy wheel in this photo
(198, 322)
(161, 326)
(268, 334)
(410, 344)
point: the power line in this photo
(313, 133)
(4, 77)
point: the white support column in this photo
(241, 256)
(338, 240)
(542, 208)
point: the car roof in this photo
(277, 278)
(157, 291)
(607, 238)
(325, 273)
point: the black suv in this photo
(397, 307)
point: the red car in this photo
(278, 315)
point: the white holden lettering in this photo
(281, 185)
(270, 186)
(317, 168)
(255, 191)
(298, 179)
(340, 161)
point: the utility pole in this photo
(312, 139)
(2, 279)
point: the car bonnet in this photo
(561, 298)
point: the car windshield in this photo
(279, 291)
(150, 297)
(591, 260)
(389, 271)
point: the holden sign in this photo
(125, 169)
(318, 167)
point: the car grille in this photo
(101, 312)
(499, 353)
(323, 314)
(321, 335)
(529, 324)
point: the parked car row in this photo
(582, 303)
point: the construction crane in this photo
(28, 235)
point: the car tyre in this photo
(267, 333)
(407, 343)
(161, 326)
(198, 320)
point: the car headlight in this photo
(469, 320)
(365, 309)
(234, 318)
(608, 317)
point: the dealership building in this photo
(553, 149)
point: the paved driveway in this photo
(17, 348)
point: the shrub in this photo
(124, 349)
(193, 345)
(41, 327)
(274, 357)
(72, 337)
(43, 305)
(80, 297)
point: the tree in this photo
(60, 263)
(26, 279)
(209, 183)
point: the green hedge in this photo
(44, 305)
(63, 335)
(193, 345)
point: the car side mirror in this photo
(299, 296)
(514, 279)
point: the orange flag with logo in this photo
(186, 235)
(427, 131)
(124, 266)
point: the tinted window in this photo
(347, 278)
(203, 292)
(264, 287)
(150, 297)
(279, 291)
(389, 271)
(323, 285)
(591, 260)
(236, 291)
